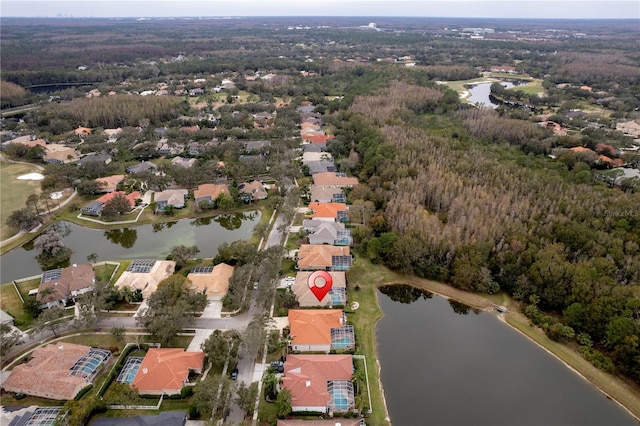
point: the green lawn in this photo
(368, 277)
(14, 192)
(103, 272)
(11, 304)
(534, 87)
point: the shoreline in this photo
(472, 300)
(502, 318)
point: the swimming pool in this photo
(130, 370)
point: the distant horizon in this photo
(462, 9)
(230, 17)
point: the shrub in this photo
(186, 392)
(83, 392)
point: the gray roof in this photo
(321, 166)
(315, 147)
(166, 418)
(308, 108)
(251, 145)
(5, 317)
(142, 167)
(94, 158)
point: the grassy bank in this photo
(14, 192)
(366, 277)
(369, 276)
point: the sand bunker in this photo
(56, 195)
(31, 176)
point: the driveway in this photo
(213, 309)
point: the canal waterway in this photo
(153, 241)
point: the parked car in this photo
(234, 373)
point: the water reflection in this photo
(462, 309)
(404, 293)
(232, 221)
(126, 237)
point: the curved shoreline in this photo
(472, 299)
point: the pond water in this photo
(145, 241)
(480, 94)
(444, 364)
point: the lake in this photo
(480, 94)
(145, 241)
(444, 364)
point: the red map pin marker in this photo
(320, 283)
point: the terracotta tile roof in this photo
(326, 210)
(82, 131)
(306, 377)
(210, 190)
(132, 197)
(319, 256)
(317, 138)
(305, 296)
(331, 178)
(111, 182)
(166, 370)
(313, 326)
(72, 280)
(47, 373)
(214, 284)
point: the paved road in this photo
(275, 237)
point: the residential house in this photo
(209, 192)
(58, 286)
(190, 129)
(56, 371)
(327, 194)
(145, 275)
(94, 208)
(109, 183)
(332, 212)
(257, 145)
(166, 418)
(82, 131)
(167, 148)
(314, 147)
(334, 179)
(112, 134)
(323, 257)
(166, 371)
(313, 156)
(103, 158)
(213, 281)
(321, 167)
(145, 166)
(323, 232)
(319, 383)
(337, 296)
(316, 138)
(196, 92)
(60, 154)
(194, 148)
(320, 330)
(255, 190)
(186, 163)
(170, 197)
(305, 109)
(504, 69)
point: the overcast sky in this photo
(576, 9)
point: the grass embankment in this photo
(14, 192)
(369, 276)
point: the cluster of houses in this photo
(177, 198)
(61, 371)
(319, 370)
